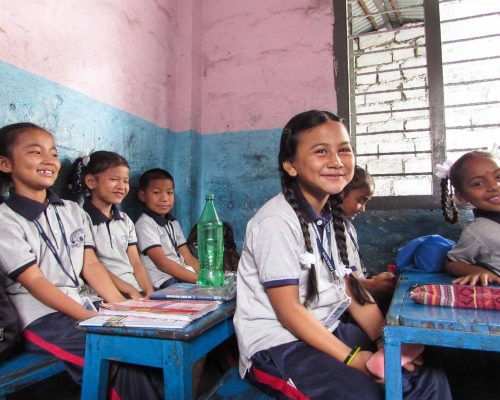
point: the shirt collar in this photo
(97, 216)
(31, 209)
(493, 215)
(310, 214)
(160, 220)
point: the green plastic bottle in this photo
(210, 245)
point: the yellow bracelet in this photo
(354, 352)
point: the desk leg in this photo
(393, 370)
(177, 370)
(95, 370)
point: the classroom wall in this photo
(201, 88)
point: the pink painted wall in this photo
(209, 65)
(117, 52)
(264, 61)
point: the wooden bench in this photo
(24, 369)
(231, 386)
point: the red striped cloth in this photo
(461, 296)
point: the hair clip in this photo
(443, 170)
(85, 160)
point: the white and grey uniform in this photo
(153, 230)
(479, 243)
(112, 238)
(274, 254)
(66, 226)
(353, 249)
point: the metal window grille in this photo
(422, 79)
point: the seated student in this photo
(354, 198)
(475, 178)
(294, 281)
(231, 255)
(46, 253)
(163, 248)
(105, 175)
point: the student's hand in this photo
(359, 362)
(131, 291)
(384, 282)
(484, 278)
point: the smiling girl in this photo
(294, 282)
(46, 252)
(105, 175)
(475, 178)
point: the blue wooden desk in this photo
(173, 350)
(408, 322)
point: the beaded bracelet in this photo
(354, 352)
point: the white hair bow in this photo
(306, 260)
(443, 170)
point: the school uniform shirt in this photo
(112, 238)
(22, 246)
(153, 230)
(353, 249)
(479, 243)
(274, 254)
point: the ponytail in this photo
(358, 291)
(76, 179)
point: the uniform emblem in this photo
(77, 238)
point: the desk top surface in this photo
(224, 312)
(404, 312)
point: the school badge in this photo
(77, 238)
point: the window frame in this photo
(344, 81)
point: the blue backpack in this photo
(424, 254)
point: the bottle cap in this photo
(210, 196)
(391, 268)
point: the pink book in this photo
(409, 352)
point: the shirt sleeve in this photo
(147, 234)
(87, 229)
(468, 249)
(276, 249)
(132, 236)
(179, 236)
(16, 253)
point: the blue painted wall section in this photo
(381, 233)
(81, 124)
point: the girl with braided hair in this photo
(474, 179)
(294, 283)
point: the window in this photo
(418, 82)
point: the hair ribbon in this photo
(443, 170)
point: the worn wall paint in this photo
(381, 233)
(122, 53)
(264, 61)
(81, 124)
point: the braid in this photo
(312, 283)
(335, 204)
(450, 210)
(75, 182)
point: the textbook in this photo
(129, 321)
(193, 291)
(184, 310)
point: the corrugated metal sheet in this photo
(372, 15)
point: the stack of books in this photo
(162, 314)
(193, 291)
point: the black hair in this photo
(453, 183)
(288, 148)
(231, 255)
(97, 162)
(360, 180)
(154, 174)
(8, 136)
